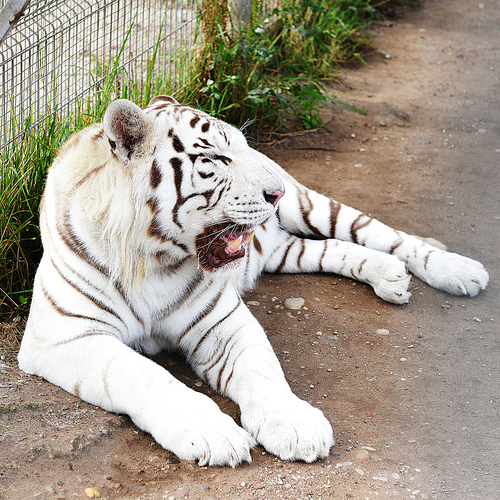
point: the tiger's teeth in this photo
(250, 237)
(235, 244)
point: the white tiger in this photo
(147, 223)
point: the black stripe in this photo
(155, 175)
(177, 144)
(234, 364)
(257, 245)
(194, 121)
(306, 216)
(206, 144)
(187, 295)
(335, 207)
(68, 314)
(222, 352)
(202, 314)
(223, 367)
(209, 332)
(98, 135)
(101, 305)
(301, 253)
(279, 269)
(360, 268)
(397, 244)
(426, 260)
(357, 225)
(320, 263)
(69, 238)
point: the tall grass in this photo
(25, 162)
(262, 70)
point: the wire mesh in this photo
(57, 58)
(59, 54)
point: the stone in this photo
(294, 303)
(362, 455)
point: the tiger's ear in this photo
(162, 99)
(126, 126)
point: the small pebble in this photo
(382, 331)
(338, 465)
(294, 303)
(362, 455)
(253, 303)
(92, 493)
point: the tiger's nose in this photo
(274, 196)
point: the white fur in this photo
(121, 273)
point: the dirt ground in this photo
(412, 391)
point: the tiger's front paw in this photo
(389, 279)
(292, 429)
(454, 273)
(205, 434)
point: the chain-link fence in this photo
(57, 55)
(60, 52)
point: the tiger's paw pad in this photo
(291, 431)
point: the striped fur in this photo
(147, 223)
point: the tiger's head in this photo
(205, 190)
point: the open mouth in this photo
(220, 244)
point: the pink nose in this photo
(274, 197)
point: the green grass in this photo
(25, 162)
(255, 76)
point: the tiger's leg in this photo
(235, 357)
(385, 273)
(304, 212)
(86, 358)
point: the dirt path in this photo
(413, 391)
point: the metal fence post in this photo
(10, 14)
